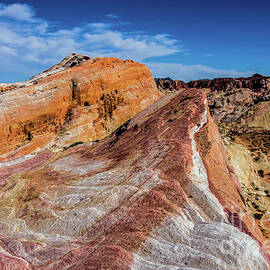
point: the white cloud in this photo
(29, 45)
(31, 41)
(99, 26)
(192, 72)
(5, 50)
(137, 47)
(112, 16)
(21, 12)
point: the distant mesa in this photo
(256, 82)
(257, 75)
(169, 85)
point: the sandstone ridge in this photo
(158, 193)
(100, 170)
(78, 100)
(241, 109)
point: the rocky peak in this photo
(79, 99)
(169, 85)
(70, 61)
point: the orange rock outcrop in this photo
(75, 101)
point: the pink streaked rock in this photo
(150, 196)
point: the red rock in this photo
(168, 85)
(151, 194)
(255, 83)
(241, 108)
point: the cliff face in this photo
(151, 195)
(241, 108)
(78, 100)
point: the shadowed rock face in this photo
(257, 82)
(230, 99)
(151, 195)
(241, 108)
(168, 85)
(78, 100)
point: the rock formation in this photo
(168, 85)
(241, 108)
(154, 192)
(78, 100)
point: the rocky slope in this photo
(78, 100)
(153, 189)
(241, 108)
(158, 193)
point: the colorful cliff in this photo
(152, 188)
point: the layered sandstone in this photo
(158, 193)
(241, 108)
(78, 100)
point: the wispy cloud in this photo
(112, 16)
(22, 12)
(29, 44)
(192, 72)
(130, 45)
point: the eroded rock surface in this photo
(78, 100)
(158, 193)
(241, 108)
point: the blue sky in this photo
(181, 39)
